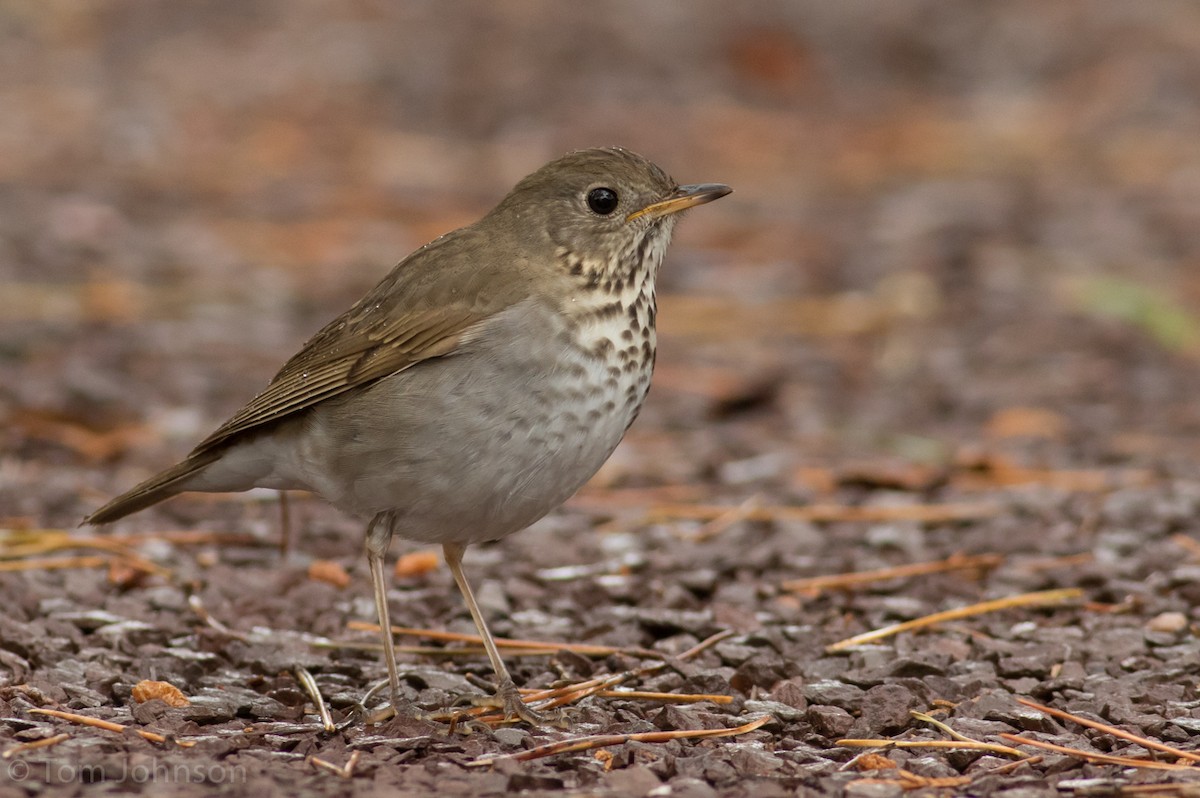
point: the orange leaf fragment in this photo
(416, 563)
(1026, 422)
(169, 694)
(330, 572)
(873, 761)
(124, 575)
(821, 481)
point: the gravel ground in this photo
(950, 312)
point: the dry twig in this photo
(109, 725)
(1145, 742)
(953, 745)
(54, 563)
(1050, 563)
(955, 562)
(722, 522)
(344, 771)
(45, 742)
(604, 740)
(305, 677)
(1038, 599)
(526, 646)
(572, 693)
(827, 513)
(674, 698)
(1100, 759)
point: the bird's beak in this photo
(681, 199)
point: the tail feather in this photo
(154, 490)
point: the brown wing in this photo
(335, 361)
(409, 317)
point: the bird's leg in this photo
(507, 696)
(379, 537)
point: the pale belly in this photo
(473, 447)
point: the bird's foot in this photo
(508, 699)
(373, 716)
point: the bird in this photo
(476, 387)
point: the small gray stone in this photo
(838, 694)
(511, 737)
(829, 721)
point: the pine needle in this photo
(924, 513)
(1100, 759)
(1145, 742)
(595, 741)
(956, 562)
(109, 725)
(1037, 599)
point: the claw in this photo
(508, 699)
(378, 716)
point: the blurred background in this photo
(955, 225)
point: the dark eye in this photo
(602, 200)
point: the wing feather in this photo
(332, 364)
(417, 312)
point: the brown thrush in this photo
(478, 386)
